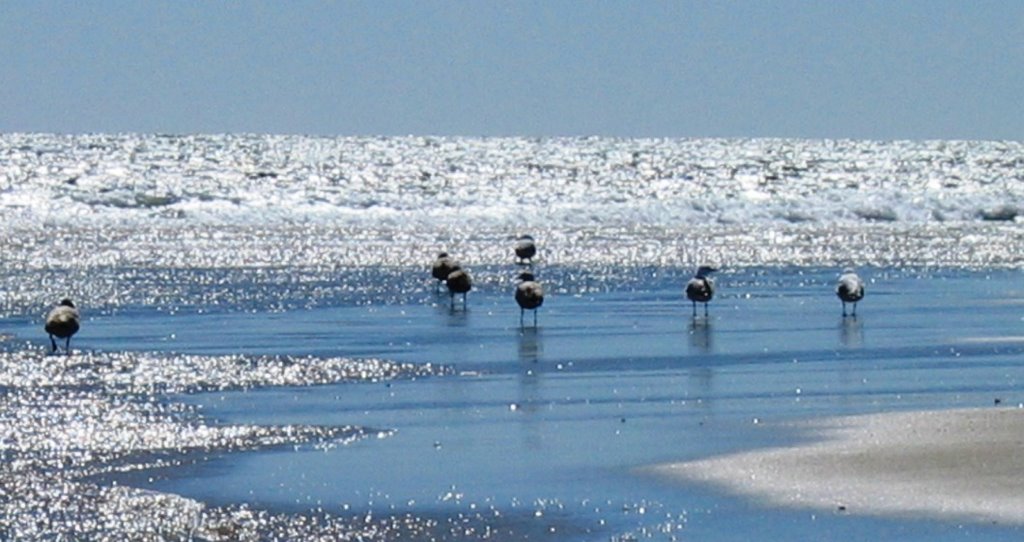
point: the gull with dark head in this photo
(850, 289)
(525, 249)
(441, 268)
(458, 282)
(63, 322)
(700, 289)
(529, 296)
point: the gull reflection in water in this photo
(701, 337)
(531, 394)
(530, 346)
(851, 332)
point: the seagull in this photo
(525, 249)
(529, 296)
(62, 322)
(458, 283)
(442, 267)
(850, 289)
(701, 288)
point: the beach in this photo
(962, 464)
(618, 416)
(263, 353)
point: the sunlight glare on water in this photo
(256, 266)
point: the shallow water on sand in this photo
(544, 433)
(260, 332)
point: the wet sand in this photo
(565, 416)
(966, 464)
(541, 434)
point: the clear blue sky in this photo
(881, 70)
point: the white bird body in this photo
(850, 289)
(63, 322)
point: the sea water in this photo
(263, 352)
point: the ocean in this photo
(264, 355)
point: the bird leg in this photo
(54, 344)
(67, 346)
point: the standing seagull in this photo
(63, 322)
(459, 283)
(850, 289)
(701, 288)
(529, 296)
(525, 249)
(442, 267)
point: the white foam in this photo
(597, 187)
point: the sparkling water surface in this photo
(263, 354)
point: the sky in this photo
(893, 69)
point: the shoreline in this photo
(965, 464)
